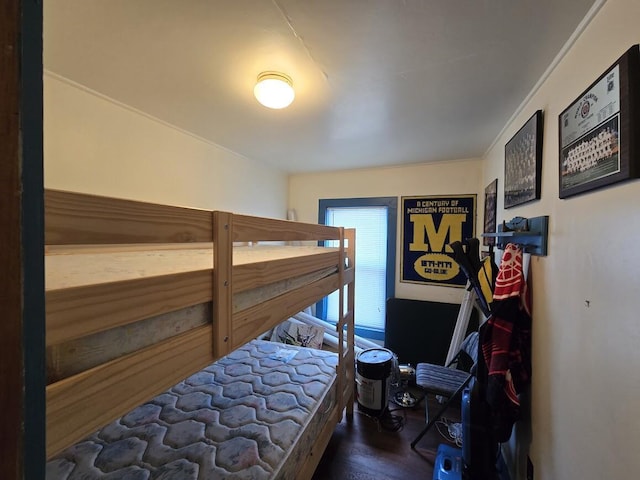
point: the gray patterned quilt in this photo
(250, 415)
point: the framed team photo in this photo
(490, 209)
(523, 163)
(596, 130)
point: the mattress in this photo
(250, 415)
(67, 267)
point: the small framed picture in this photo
(490, 208)
(523, 163)
(598, 130)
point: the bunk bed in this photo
(150, 304)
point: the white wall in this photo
(95, 145)
(458, 177)
(586, 327)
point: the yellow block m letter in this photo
(424, 230)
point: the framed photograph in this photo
(597, 147)
(523, 163)
(490, 200)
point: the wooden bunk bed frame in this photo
(82, 403)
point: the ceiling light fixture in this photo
(274, 90)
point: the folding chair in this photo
(446, 381)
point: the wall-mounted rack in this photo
(530, 233)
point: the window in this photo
(375, 222)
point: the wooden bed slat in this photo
(255, 229)
(258, 319)
(76, 218)
(79, 405)
(73, 312)
(349, 275)
(258, 274)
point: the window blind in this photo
(371, 262)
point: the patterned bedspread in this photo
(250, 415)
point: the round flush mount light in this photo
(274, 90)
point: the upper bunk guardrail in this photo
(255, 229)
(82, 219)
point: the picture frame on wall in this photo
(596, 131)
(430, 223)
(490, 211)
(523, 163)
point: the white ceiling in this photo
(378, 82)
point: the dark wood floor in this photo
(362, 451)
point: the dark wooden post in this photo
(21, 242)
